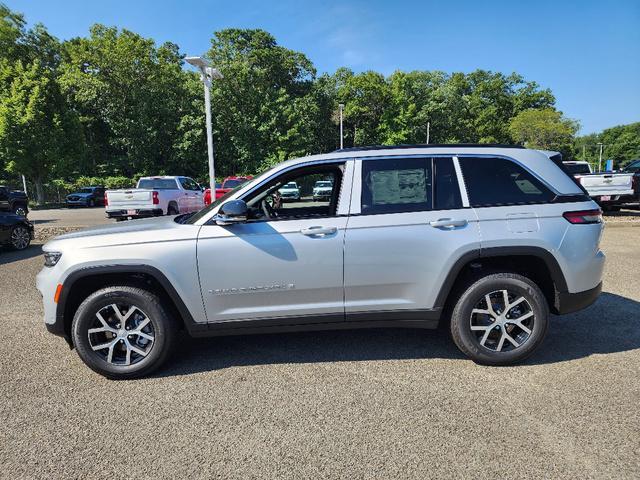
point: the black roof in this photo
(428, 145)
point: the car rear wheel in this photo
(123, 332)
(172, 210)
(20, 237)
(500, 319)
(91, 203)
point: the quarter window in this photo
(499, 181)
(396, 185)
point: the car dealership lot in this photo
(360, 404)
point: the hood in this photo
(79, 195)
(130, 226)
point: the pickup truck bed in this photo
(607, 188)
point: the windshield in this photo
(85, 190)
(291, 185)
(577, 168)
(323, 184)
(157, 183)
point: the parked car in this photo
(15, 230)
(154, 196)
(486, 239)
(14, 201)
(290, 192)
(609, 189)
(322, 190)
(86, 197)
(230, 183)
(207, 194)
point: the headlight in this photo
(51, 258)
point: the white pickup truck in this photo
(606, 188)
(154, 196)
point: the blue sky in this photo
(587, 52)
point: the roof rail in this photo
(427, 145)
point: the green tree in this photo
(545, 129)
(266, 108)
(38, 132)
(133, 97)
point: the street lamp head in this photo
(214, 73)
(341, 105)
(199, 62)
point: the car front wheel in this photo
(123, 332)
(20, 237)
(500, 319)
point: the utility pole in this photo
(428, 129)
(600, 159)
(207, 74)
(341, 106)
(24, 185)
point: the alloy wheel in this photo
(21, 211)
(502, 321)
(121, 334)
(20, 238)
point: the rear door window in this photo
(500, 181)
(396, 185)
(447, 191)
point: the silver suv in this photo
(489, 239)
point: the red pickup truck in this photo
(228, 184)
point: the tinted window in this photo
(577, 168)
(189, 184)
(498, 181)
(396, 185)
(157, 183)
(232, 183)
(634, 167)
(447, 194)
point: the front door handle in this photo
(447, 223)
(318, 230)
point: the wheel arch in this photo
(83, 282)
(536, 263)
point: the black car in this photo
(15, 231)
(86, 197)
(14, 201)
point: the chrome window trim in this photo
(461, 183)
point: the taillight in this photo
(106, 200)
(584, 217)
(156, 200)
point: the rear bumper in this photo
(572, 302)
(139, 213)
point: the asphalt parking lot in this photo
(360, 404)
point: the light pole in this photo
(207, 74)
(341, 105)
(600, 159)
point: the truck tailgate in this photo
(607, 183)
(129, 199)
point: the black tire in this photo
(172, 209)
(469, 342)
(164, 330)
(91, 203)
(20, 237)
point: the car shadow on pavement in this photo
(611, 325)
(7, 255)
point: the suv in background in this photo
(86, 197)
(14, 201)
(634, 169)
(485, 239)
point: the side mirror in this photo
(234, 211)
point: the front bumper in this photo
(572, 302)
(80, 202)
(138, 213)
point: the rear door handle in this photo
(447, 223)
(318, 230)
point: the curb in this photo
(609, 224)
